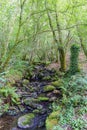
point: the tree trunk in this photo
(62, 58)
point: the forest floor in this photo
(5, 121)
(82, 62)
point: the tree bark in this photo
(62, 58)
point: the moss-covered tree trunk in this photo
(74, 67)
(62, 58)
(58, 40)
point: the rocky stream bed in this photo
(37, 92)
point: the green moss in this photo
(49, 88)
(74, 67)
(36, 111)
(31, 89)
(28, 101)
(52, 120)
(54, 114)
(28, 118)
(57, 83)
(51, 123)
(25, 82)
(47, 78)
(55, 78)
(43, 99)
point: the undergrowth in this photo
(73, 104)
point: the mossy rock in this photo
(28, 101)
(52, 120)
(43, 99)
(52, 99)
(51, 123)
(26, 121)
(49, 88)
(36, 111)
(58, 83)
(47, 78)
(31, 89)
(54, 115)
(55, 78)
(25, 82)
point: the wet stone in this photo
(56, 92)
(13, 111)
(52, 99)
(26, 121)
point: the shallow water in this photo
(10, 123)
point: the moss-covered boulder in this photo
(41, 112)
(29, 101)
(34, 104)
(51, 123)
(52, 120)
(31, 89)
(58, 83)
(52, 99)
(26, 121)
(56, 92)
(36, 111)
(49, 88)
(25, 82)
(46, 78)
(43, 99)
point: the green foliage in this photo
(9, 94)
(76, 84)
(3, 107)
(56, 107)
(58, 83)
(67, 117)
(57, 127)
(35, 35)
(78, 124)
(52, 120)
(42, 99)
(73, 104)
(82, 110)
(74, 68)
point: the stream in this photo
(10, 123)
(36, 96)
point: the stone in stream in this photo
(57, 92)
(25, 82)
(40, 112)
(49, 88)
(26, 121)
(30, 121)
(52, 99)
(33, 103)
(13, 111)
(29, 100)
(57, 83)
